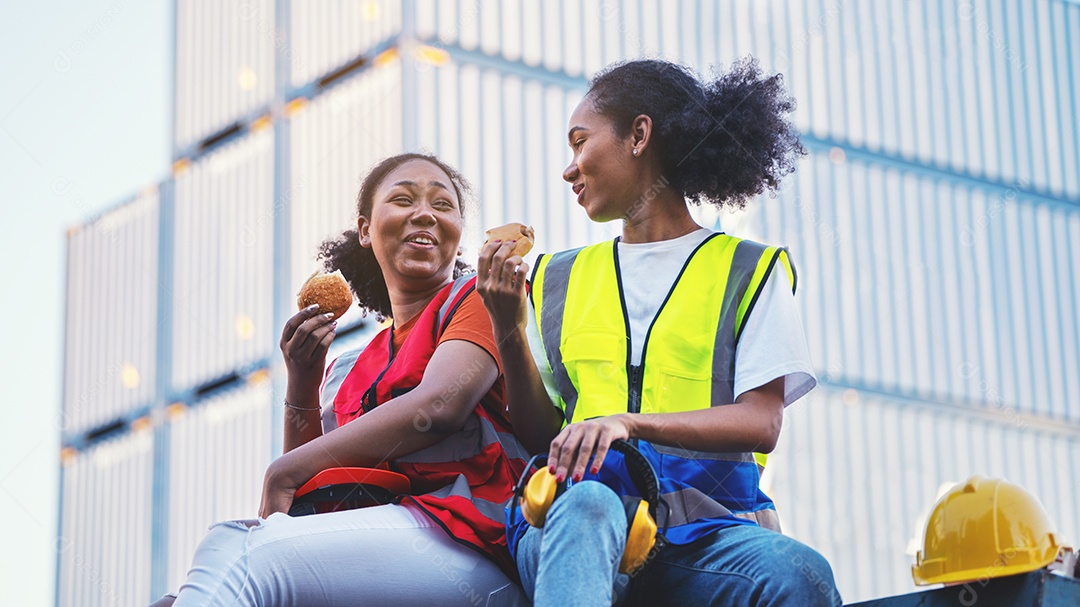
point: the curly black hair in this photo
(722, 141)
(358, 264)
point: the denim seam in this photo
(714, 572)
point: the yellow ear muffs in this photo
(542, 489)
(640, 535)
(538, 496)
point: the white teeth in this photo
(422, 240)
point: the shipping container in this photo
(224, 66)
(948, 291)
(104, 544)
(935, 226)
(222, 291)
(325, 37)
(856, 473)
(111, 316)
(560, 37)
(334, 140)
(218, 452)
(977, 88)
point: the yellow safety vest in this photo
(688, 358)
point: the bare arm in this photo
(304, 342)
(535, 419)
(456, 378)
(751, 423)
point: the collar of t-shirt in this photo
(648, 271)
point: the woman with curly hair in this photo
(684, 342)
(425, 396)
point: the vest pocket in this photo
(595, 364)
(680, 390)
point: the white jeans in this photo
(382, 555)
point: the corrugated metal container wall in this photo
(224, 65)
(974, 303)
(972, 87)
(572, 37)
(855, 475)
(218, 453)
(335, 140)
(111, 327)
(507, 136)
(104, 543)
(323, 36)
(224, 239)
(967, 87)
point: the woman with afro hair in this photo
(683, 342)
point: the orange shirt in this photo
(470, 323)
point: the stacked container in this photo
(935, 226)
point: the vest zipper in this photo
(636, 373)
(633, 372)
(636, 376)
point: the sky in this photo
(85, 97)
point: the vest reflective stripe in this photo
(720, 457)
(452, 300)
(555, 273)
(474, 436)
(513, 448)
(766, 517)
(689, 504)
(579, 307)
(581, 352)
(743, 268)
(338, 371)
(460, 488)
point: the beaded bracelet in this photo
(292, 406)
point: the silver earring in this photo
(634, 152)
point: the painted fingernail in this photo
(594, 470)
(311, 308)
(559, 478)
(577, 476)
(329, 315)
(551, 469)
(333, 324)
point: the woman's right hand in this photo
(305, 341)
(500, 281)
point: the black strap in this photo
(362, 494)
(641, 473)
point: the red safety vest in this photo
(464, 482)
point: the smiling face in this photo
(414, 227)
(603, 175)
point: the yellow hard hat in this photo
(984, 528)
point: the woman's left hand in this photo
(280, 484)
(570, 451)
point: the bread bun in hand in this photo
(520, 232)
(330, 291)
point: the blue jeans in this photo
(574, 561)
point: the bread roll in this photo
(520, 232)
(330, 291)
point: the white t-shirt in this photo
(772, 345)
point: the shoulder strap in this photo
(459, 289)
